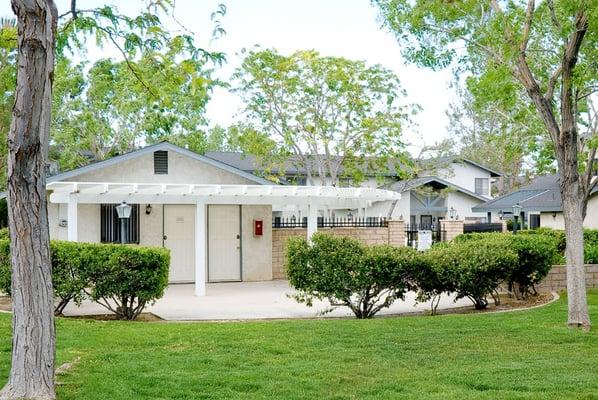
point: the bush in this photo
(536, 254)
(4, 234)
(481, 266)
(5, 268)
(434, 275)
(591, 254)
(346, 273)
(124, 279)
(68, 277)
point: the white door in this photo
(179, 237)
(224, 243)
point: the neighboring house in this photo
(453, 188)
(215, 219)
(541, 205)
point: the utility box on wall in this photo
(258, 227)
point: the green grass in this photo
(518, 355)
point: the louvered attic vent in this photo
(160, 162)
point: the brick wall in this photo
(394, 234)
(556, 279)
(451, 229)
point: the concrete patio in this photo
(245, 301)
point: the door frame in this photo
(208, 243)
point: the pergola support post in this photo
(200, 248)
(312, 220)
(72, 220)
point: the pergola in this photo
(310, 198)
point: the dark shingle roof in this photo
(542, 194)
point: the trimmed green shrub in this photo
(68, 272)
(482, 265)
(591, 254)
(435, 275)
(536, 254)
(125, 279)
(5, 268)
(4, 234)
(346, 273)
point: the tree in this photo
(505, 137)
(33, 344)
(550, 50)
(329, 113)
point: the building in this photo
(215, 219)
(450, 189)
(541, 205)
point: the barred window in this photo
(110, 224)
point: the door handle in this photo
(165, 237)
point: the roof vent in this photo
(160, 162)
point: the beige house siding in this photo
(557, 222)
(181, 169)
(256, 250)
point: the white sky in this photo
(347, 28)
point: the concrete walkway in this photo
(247, 300)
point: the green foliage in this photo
(330, 113)
(434, 275)
(536, 254)
(5, 267)
(591, 253)
(3, 213)
(4, 234)
(127, 278)
(124, 279)
(365, 279)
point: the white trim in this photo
(200, 249)
(72, 219)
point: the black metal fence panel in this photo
(482, 227)
(367, 222)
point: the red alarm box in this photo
(258, 227)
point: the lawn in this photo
(517, 355)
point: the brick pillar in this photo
(396, 232)
(451, 229)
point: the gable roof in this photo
(409, 184)
(249, 163)
(542, 194)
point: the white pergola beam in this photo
(72, 220)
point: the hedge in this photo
(122, 278)
(536, 254)
(347, 273)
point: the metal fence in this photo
(482, 227)
(412, 230)
(367, 222)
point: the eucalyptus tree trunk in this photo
(33, 343)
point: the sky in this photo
(345, 28)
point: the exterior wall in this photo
(368, 236)
(591, 221)
(88, 226)
(256, 250)
(452, 229)
(463, 175)
(181, 169)
(556, 280)
(151, 231)
(463, 204)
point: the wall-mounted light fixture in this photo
(148, 209)
(553, 215)
(350, 216)
(452, 213)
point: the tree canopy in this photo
(329, 113)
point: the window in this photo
(110, 224)
(482, 186)
(160, 162)
(534, 221)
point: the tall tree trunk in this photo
(33, 343)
